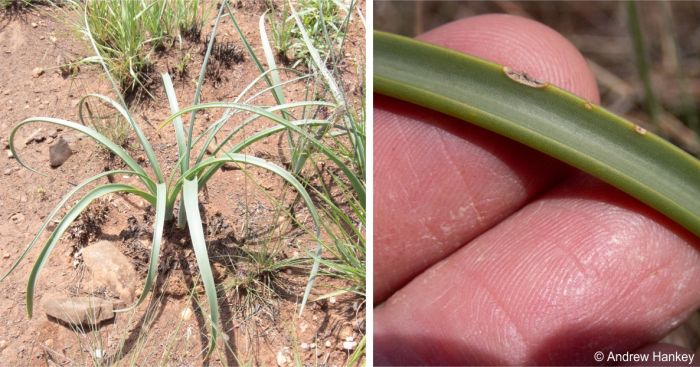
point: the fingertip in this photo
(521, 44)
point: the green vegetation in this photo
(127, 32)
(545, 118)
(322, 21)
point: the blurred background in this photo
(645, 56)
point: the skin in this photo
(487, 252)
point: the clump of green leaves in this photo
(127, 32)
(323, 22)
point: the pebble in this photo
(9, 154)
(17, 218)
(59, 153)
(282, 359)
(34, 25)
(6, 256)
(186, 314)
(36, 136)
(332, 300)
(3, 345)
(328, 344)
(349, 345)
(305, 346)
(7, 172)
(37, 72)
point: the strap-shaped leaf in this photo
(194, 224)
(543, 117)
(161, 197)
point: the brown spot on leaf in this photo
(522, 78)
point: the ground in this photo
(244, 211)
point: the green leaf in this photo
(357, 185)
(194, 223)
(161, 197)
(543, 117)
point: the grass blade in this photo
(194, 223)
(545, 118)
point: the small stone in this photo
(328, 344)
(312, 345)
(37, 72)
(186, 314)
(34, 25)
(305, 346)
(36, 136)
(6, 256)
(282, 359)
(219, 271)
(23, 199)
(59, 153)
(349, 345)
(3, 345)
(7, 172)
(79, 310)
(41, 37)
(53, 133)
(332, 300)
(53, 39)
(17, 218)
(9, 154)
(99, 353)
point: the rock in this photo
(9, 154)
(37, 72)
(349, 345)
(112, 269)
(282, 357)
(79, 310)
(59, 153)
(53, 133)
(7, 172)
(332, 300)
(305, 346)
(6, 256)
(3, 345)
(219, 272)
(34, 25)
(328, 344)
(36, 136)
(186, 314)
(17, 218)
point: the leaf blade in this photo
(548, 119)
